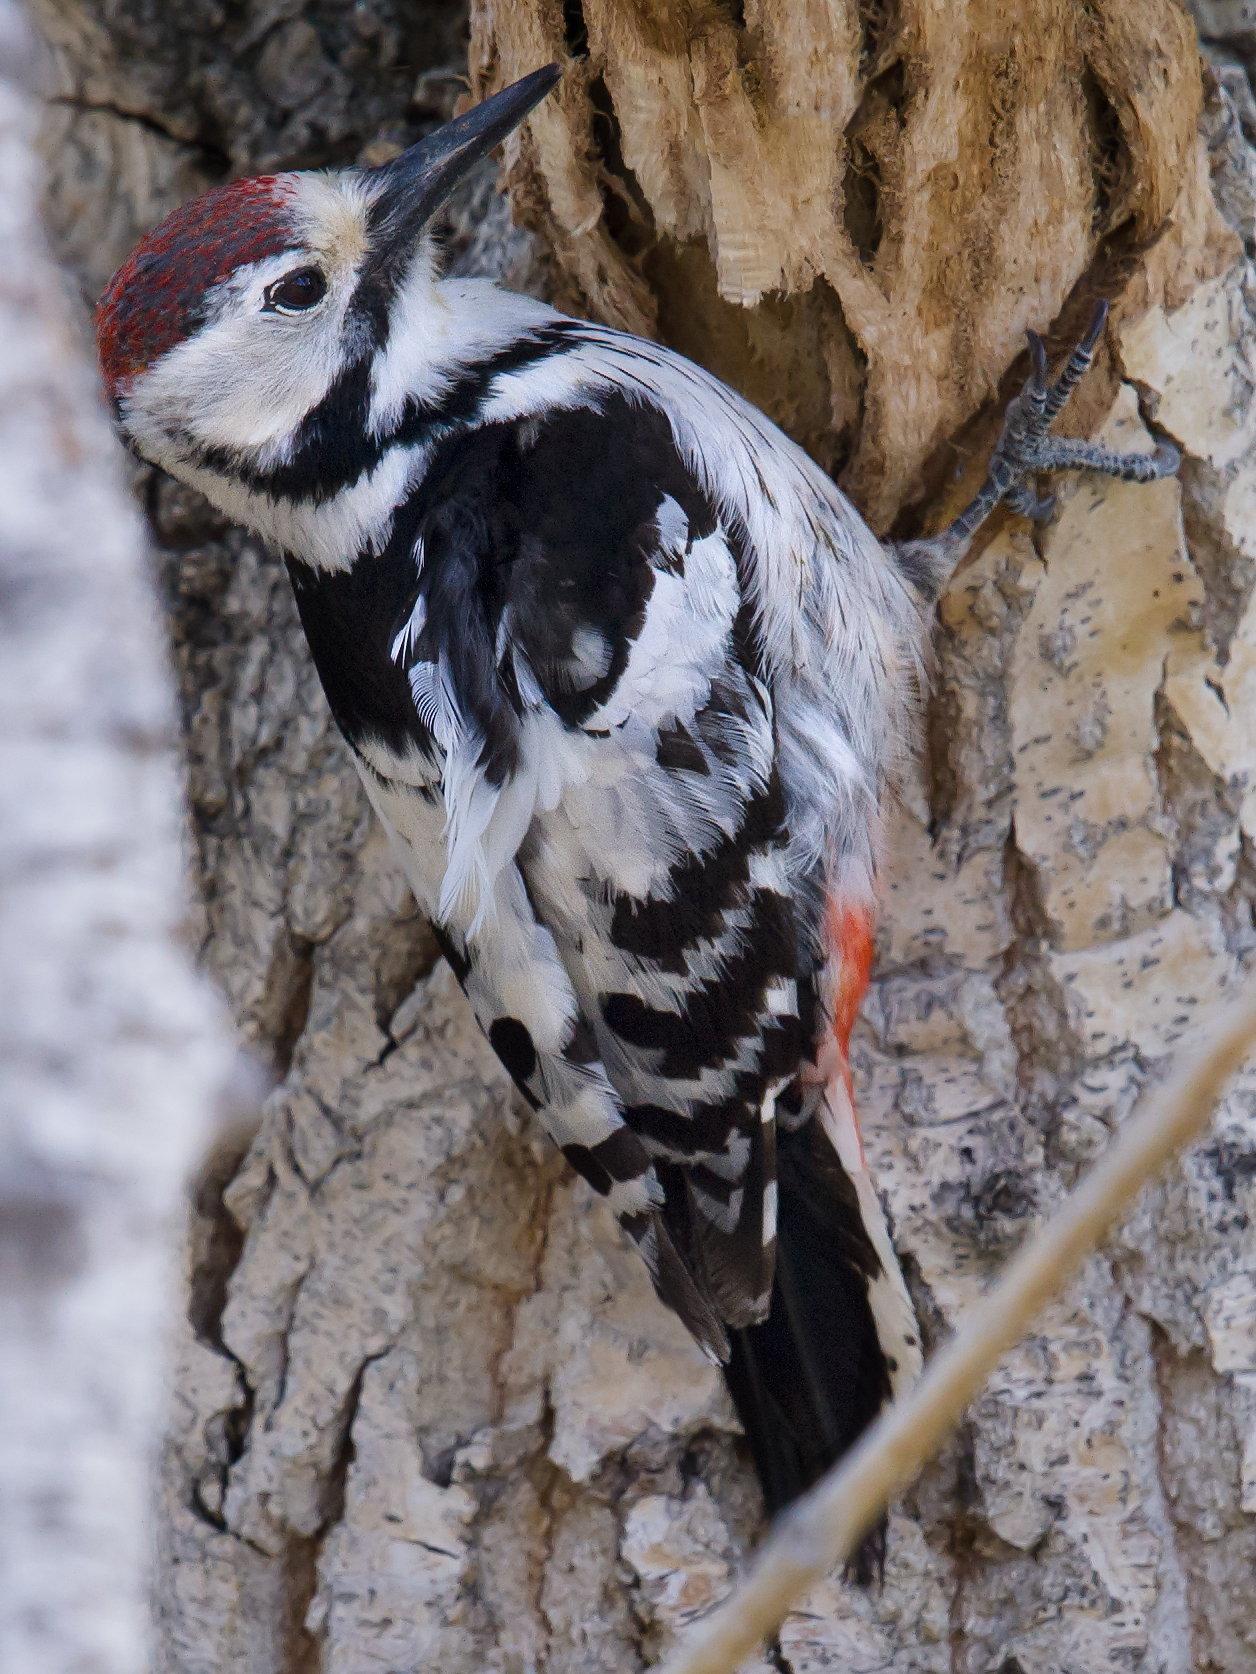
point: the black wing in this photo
(582, 602)
(581, 648)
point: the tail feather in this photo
(809, 1379)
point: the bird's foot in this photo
(1024, 449)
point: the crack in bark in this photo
(961, 1542)
(1162, 1353)
(1048, 1051)
(218, 162)
(219, 1242)
(303, 1552)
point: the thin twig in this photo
(821, 1530)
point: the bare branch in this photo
(825, 1527)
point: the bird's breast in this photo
(351, 619)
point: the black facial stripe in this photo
(333, 447)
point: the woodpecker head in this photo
(235, 318)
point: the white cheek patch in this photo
(246, 380)
(329, 536)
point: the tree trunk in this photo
(429, 1415)
(113, 1053)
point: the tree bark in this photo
(429, 1414)
(114, 1055)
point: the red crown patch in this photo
(153, 301)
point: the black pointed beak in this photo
(413, 186)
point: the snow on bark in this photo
(429, 1414)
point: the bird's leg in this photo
(1023, 450)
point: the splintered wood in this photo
(850, 212)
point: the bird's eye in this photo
(295, 292)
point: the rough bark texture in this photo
(112, 1051)
(429, 1414)
(853, 211)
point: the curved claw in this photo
(1024, 449)
(1097, 319)
(1166, 459)
(1025, 501)
(1038, 356)
(1078, 363)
